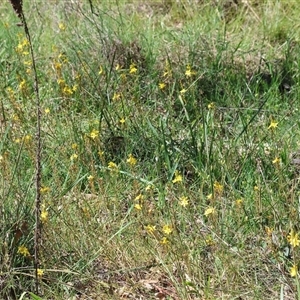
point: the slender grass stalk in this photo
(17, 5)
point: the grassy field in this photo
(170, 138)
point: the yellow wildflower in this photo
(62, 26)
(178, 177)
(47, 111)
(167, 229)
(94, 133)
(116, 96)
(138, 206)
(122, 121)
(238, 202)
(139, 197)
(22, 85)
(73, 156)
(183, 201)
(27, 138)
(67, 91)
(40, 272)
(276, 160)
(149, 187)
(293, 239)
(183, 91)
(132, 69)
(218, 187)
(164, 241)
(273, 125)
(112, 165)
(131, 160)
(210, 211)
(189, 72)
(91, 178)
(63, 57)
(209, 197)
(293, 271)
(161, 85)
(45, 189)
(61, 82)
(211, 105)
(44, 216)
(150, 229)
(23, 251)
(269, 231)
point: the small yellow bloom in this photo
(67, 91)
(256, 188)
(138, 206)
(116, 96)
(178, 177)
(91, 178)
(40, 272)
(218, 187)
(45, 190)
(238, 202)
(27, 138)
(118, 67)
(164, 241)
(62, 26)
(293, 239)
(44, 216)
(166, 74)
(23, 251)
(183, 201)
(63, 57)
(149, 187)
(189, 72)
(57, 66)
(269, 231)
(161, 85)
(122, 121)
(211, 105)
(210, 211)
(22, 85)
(47, 111)
(209, 241)
(183, 91)
(94, 133)
(112, 165)
(132, 69)
(276, 160)
(74, 146)
(131, 160)
(73, 156)
(61, 82)
(209, 197)
(273, 125)
(150, 229)
(139, 197)
(293, 271)
(167, 229)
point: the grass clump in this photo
(170, 154)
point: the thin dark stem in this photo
(37, 233)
